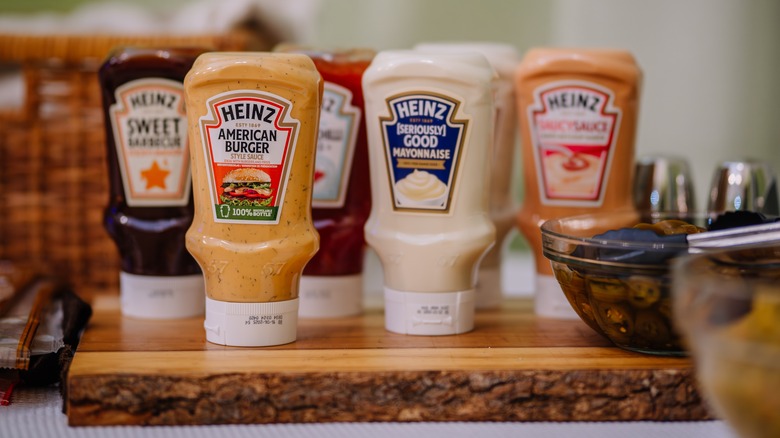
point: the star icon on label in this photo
(155, 176)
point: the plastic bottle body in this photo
(255, 116)
(332, 282)
(578, 112)
(429, 135)
(503, 208)
(150, 201)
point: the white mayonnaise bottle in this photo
(503, 207)
(429, 120)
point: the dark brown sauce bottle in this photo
(150, 206)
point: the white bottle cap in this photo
(489, 292)
(429, 313)
(550, 300)
(251, 324)
(161, 297)
(330, 296)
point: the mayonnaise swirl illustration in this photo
(576, 175)
(421, 186)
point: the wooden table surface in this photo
(514, 366)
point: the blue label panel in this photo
(423, 144)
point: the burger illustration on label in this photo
(249, 139)
(247, 187)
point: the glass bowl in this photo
(727, 305)
(620, 288)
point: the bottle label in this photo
(574, 128)
(423, 143)
(339, 121)
(150, 134)
(249, 138)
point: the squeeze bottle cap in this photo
(330, 296)
(489, 292)
(251, 324)
(429, 313)
(550, 301)
(161, 297)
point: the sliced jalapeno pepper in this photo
(643, 292)
(617, 321)
(652, 327)
(607, 290)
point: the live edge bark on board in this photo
(513, 367)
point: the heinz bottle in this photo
(150, 206)
(254, 117)
(504, 59)
(429, 133)
(578, 111)
(332, 282)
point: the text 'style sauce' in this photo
(253, 118)
(150, 206)
(578, 115)
(332, 282)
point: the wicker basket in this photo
(53, 172)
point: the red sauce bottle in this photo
(150, 206)
(332, 282)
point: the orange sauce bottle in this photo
(577, 112)
(253, 120)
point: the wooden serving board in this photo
(513, 367)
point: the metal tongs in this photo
(766, 233)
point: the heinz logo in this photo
(153, 98)
(572, 100)
(247, 110)
(421, 108)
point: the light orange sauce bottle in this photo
(577, 112)
(253, 120)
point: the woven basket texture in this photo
(53, 170)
